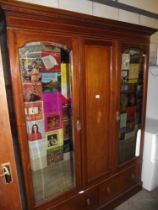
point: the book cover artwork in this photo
(52, 102)
(54, 139)
(55, 156)
(125, 61)
(35, 130)
(65, 68)
(123, 121)
(131, 116)
(32, 92)
(37, 149)
(31, 68)
(51, 82)
(51, 61)
(133, 73)
(52, 121)
(33, 111)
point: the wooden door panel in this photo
(9, 193)
(74, 172)
(97, 83)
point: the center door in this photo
(97, 67)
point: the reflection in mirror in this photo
(46, 79)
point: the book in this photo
(67, 128)
(52, 102)
(51, 82)
(31, 68)
(135, 56)
(132, 88)
(33, 111)
(32, 92)
(54, 139)
(124, 76)
(124, 102)
(66, 111)
(55, 156)
(131, 113)
(122, 135)
(125, 61)
(52, 121)
(37, 149)
(139, 91)
(123, 119)
(133, 73)
(65, 83)
(68, 145)
(124, 88)
(51, 61)
(131, 116)
(35, 130)
(130, 135)
(131, 99)
(138, 118)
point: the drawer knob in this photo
(88, 201)
(133, 176)
(108, 189)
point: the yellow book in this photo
(65, 70)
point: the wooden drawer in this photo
(86, 201)
(118, 184)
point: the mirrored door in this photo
(46, 73)
(131, 98)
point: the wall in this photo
(98, 9)
(149, 5)
(101, 10)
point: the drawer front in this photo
(85, 201)
(118, 184)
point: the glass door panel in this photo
(46, 79)
(132, 76)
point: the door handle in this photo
(6, 173)
(78, 125)
(117, 116)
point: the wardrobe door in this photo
(47, 111)
(97, 57)
(132, 102)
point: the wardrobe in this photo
(76, 86)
